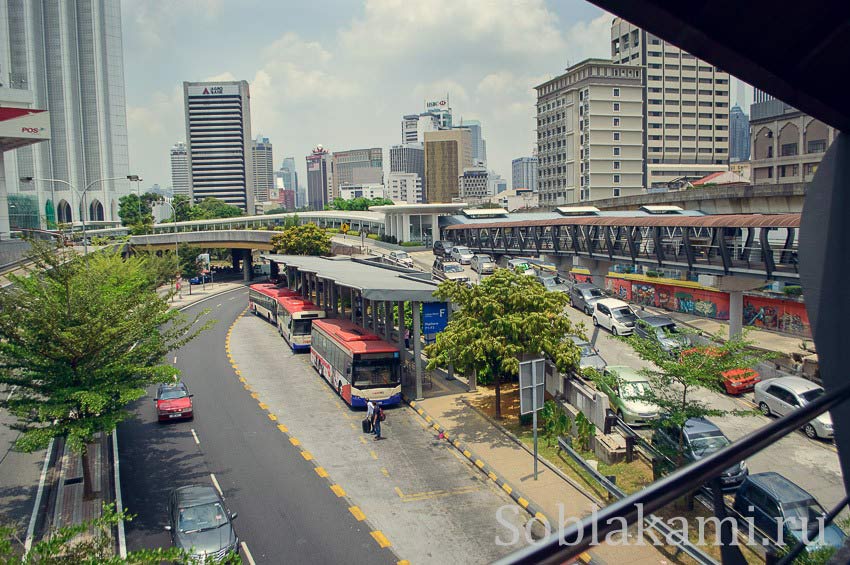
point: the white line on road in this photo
(38, 495)
(119, 504)
(215, 482)
(194, 435)
(175, 360)
(218, 305)
(229, 299)
(11, 392)
(247, 553)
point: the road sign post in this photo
(532, 390)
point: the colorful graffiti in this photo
(643, 294)
(787, 316)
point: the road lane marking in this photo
(242, 380)
(175, 360)
(363, 440)
(217, 486)
(247, 553)
(357, 513)
(272, 417)
(218, 305)
(263, 406)
(255, 396)
(307, 455)
(294, 441)
(194, 435)
(380, 538)
(321, 472)
(385, 472)
(353, 427)
(429, 495)
(39, 493)
(338, 490)
(119, 502)
(282, 428)
(234, 298)
(373, 454)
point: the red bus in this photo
(357, 364)
(295, 317)
(262, 299)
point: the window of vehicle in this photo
(634, 389)
(778, 392)
(401, 255)
(802, 513)
(586, 350)
(378, 372)
(201, 517)
(549, 282)
(463, 250)
(602, 308)
(485, 259)
(624, 314)
(812, 395)
(452, 268)
(707, 443)
(302, 327)
(663, 331)
(172, 393)
(591, 293)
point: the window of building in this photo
(616, 179)
(617, 136)
(654, 101)
(655, 150)
(616, 151)
(816, 146)
(721, 139)
(788, 150)
(635, 56)
(704, 138)
(810, 168)
(616, 122)
(616, 191)
(616, 165)
(616, 92)
(654, 53)
(616, 106)
(688, 138)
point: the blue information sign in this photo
(435, 316)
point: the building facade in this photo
(218, 141)
(409, 158)
(261, 153)
(362, 190)
(479, 144)
(474, 185)
(414, 126)
(787, 145)
(68, 58)
(447, 154)
(739, 135)
(496, 183)
(404, 187)
(524, 173)
(320, 178)
(180, 169)
(289, 174)
(686, 106)
(590, 133)
(358, 166)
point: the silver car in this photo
(589, 355)
(462, 255)
(401, 258)
(199, 522)
(785, 394)
(483, 264)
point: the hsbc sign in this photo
(437, 105)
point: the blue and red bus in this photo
(295, 317)
(359, 365)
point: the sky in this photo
(342, 73)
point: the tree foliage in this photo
(182, 207)
(81, 338)
(506, 316)
(306, 239)
(207, 209)
(358, 204)
(136, 211)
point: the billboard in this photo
(214, 90)
(437, 105)
(24, 123)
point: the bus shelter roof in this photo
(374, 282)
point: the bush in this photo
(793, 291)
(332, 230)
(410, 244)
(374, 236)
(388, 238)
(653, 274)
(353, 232)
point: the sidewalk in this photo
(199, 293)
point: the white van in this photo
(614, 315)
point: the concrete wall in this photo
(12, 250)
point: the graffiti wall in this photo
(787, 316)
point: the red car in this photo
(173, 402)
(736, 381)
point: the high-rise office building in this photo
(320, 178)
(414, 126)
(590, 133)
(739, 134)
(524, 173)
(473, 185)
(358, 166)
(479, 145)
(218, 139)
(447, 154)
(442, 110)
(261, 153)
(686, 106)
(68, 58)
(495, 183)
(404, 187)
(409, 158)
(289, 174)
(180, 169)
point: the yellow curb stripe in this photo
(584, 557)
(467, 453)
(272, 417)
(541, 517)
(357, 513)
(338, 490)
(492, 476)
(456, 443)
(507, 488)
(307, 455)
(403, 562)
(428, 419)
(263, 406)
(242, 380)
(479, 463)
(412, 404)
(419, 411)
(282, 428)
(255, 396)
(321, 472)
(294, 441)
(436, 426)
(522, 502)
(380, 538)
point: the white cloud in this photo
(155, 19)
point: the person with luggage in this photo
(367, 422)
(378, 416)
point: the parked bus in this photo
(262, 300)
(295, 317)
(357, 364)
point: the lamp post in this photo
(176, 243)
(138, 181)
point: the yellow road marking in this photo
(321, 471)
(338, 490)
(456, 443)
(467, 453)
(294, 441)
(357, 513)
(412, 404)
(541, 517)
(363, 440)
(428, 419)
(436, 426)
(522, 502)
(272, 417)
(307, 455)
(353, 427)
(507, 488)
(492, 476)
(479, 463)
(385, 472)
(419, 411)
(254, 395)
(242, 380)
(263, 406)
(373, 454)
(584, 557)
(381, 538)
(417, 496)
(282, 428)
(235, 366)
(403, 562)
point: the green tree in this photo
(358, 204)
(81, 339)
(306, 239)
(182, 207)
(212, 208)
(135, 211)
(189, 265)
(506, 316)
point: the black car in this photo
(200, 522)
(701, 439)
(442, 248)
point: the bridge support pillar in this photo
(247, 269)
(736, 313)
(735, 286)
(388, 320)
(235, 255)
(563, 263)
(598, 269)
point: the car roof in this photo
(795, 384)
(167, 386)
(195, 495)
(627, 373)
(585, 286)
(780, 487)
(578, 340)
(612, 303)
(700, 426)
(658, 321)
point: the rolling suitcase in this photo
(367, 425)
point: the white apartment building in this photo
(218, 140)
(474, 185)
(404, 187)
(365, 190)
(590, 133)
(180, 169)
(686, 105)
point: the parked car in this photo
(553, 283)
(483, 264)
(785, 394)
(736, 381)
(441, 248)
(520, 264)
(583, 296)
(446, 269)
(174, 402)
(770, 499)
(200, 279)
(462, 254)
(200, 522)
(701, 438)
(624, 387)
(589, 355)
(614, 315)
(401, 258)
(663, 330)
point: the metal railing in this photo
(673, 487)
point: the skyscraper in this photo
(414, 126)
(739, 134)
(686, 106)
(289, 174)
(261, 152)
(68, 57)
(218, 139)
(320, 178)
(447, 154)
(404, 187)
(409, 158)
(479, 145)
(474, 185)
(357, 166)
(180, 169)
(524, 173)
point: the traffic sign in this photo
(532, 385)
(435, 316)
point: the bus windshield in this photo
(302, 327)
(381, 372)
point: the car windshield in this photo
(802, 513)
(624, 313)
(664, 331)
(485, 259)
(634, 389)
(464, 251)
(708, 443)
(592, 293)
(550, 281)
(586, 349)
(401, 255)
(812, 395)
(201, 517)
(452, 268)
(172, 393)
(302, 327)
(381, 372)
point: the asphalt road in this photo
(285, 512)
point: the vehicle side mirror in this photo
(233, 515)
(191, 395)
(167, 528)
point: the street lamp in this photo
(138, 181)
(176, 243)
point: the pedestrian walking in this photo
(406, 338)
(378, 417)
(368, 426)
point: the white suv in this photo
(614, 315)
